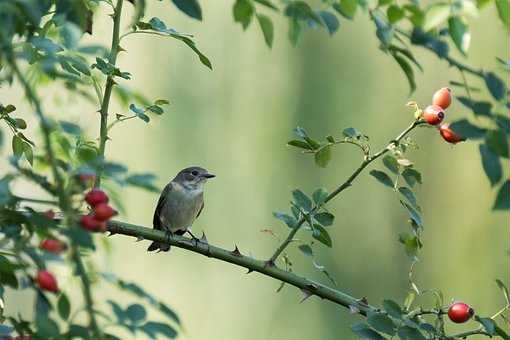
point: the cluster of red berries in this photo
(434, 115)
(101, 211)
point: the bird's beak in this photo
(208, 175)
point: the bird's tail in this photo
(158, 246)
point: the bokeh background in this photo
(236, 120)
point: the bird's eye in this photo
(194, 173)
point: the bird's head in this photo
(193, 177)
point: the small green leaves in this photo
(321, 235)
(383, 178)
(243, 11)
(503, 7)
(323, 156)
(392, 308)
(409, 195)
(299, 144)
(459, 32)
(497, 142)
(190, 8)
(330, 20)
(411, 176)
(290, 221)
(109, 69)
(391, 163)
(63, 306)
(395, 13)
(491, 164)
(347, 8)
(351, 133)
(266, 25)
(306, 249)
(410, 333)
(324, 218)
(365, 332)
(411, 244)
(382, 323)
(495, 85)
(503, 198)
(319, 196)
(302, 200)
(136, 313)
(140, 113)
(436, 15)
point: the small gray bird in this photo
(180, 203)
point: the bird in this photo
(180, 203)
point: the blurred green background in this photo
(235, 121)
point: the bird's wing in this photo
(201, 208)
(156, 221)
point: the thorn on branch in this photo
(139, 238)
(249, 271)
(236, 252)
(203, 239)
(269, 264)
(306, 295)
(353, 309)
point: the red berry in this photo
(95, 197)
(47, 281)
(90, 223)
(53, 246)
(50, 214)
(87, 177)
(442, 98)
(449, 135)
(103, 212)
(459, 312)
(433, 114)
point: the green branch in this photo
(112, 59)
(308, 287)
(342, 187)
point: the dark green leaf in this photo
(46, 45)
(409, 333)
(266, 25)
(504, 12)
(408, 71)
(330, 20)
(503, 288)
(118, 311)
(395, 13)
(391, 163)
(495, 85)
(491, 165)
(382, 323)
(497, 142)
(145, 181)
(321, 235)
(468, 130)
(414, 215)
(302, 201)
(325, 218)
(189, 7)
(63, 306)
(152, 329)
(300, 132)
(411, 244)
(382, 177)
(503, 198)
(409, 195)
(384, 31)
(323, 156)
(243, 12)
(320, 195)
(411, 176)
(351, 133)
(488, 324)
(365, 332)
(306, 249)
(136, 313)
(299, 144)
(459, 32)
(140, 113)
(347, 8)
(290, 221)
(17, 146)
(479, 108)
(392, 308)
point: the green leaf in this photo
(152, 329)
(363, 331)
(459, 32)
(63, 306)
(347, 8)
(409, 195)
(243, 12)
(319, 196)
(161, 102)
(395, 13)
(290, 221)
(382, 177)
(17, 146)
(306, 249)
(497, 142)
(323, 156)
(384, 31)
(324, 218)
(189, 7)
(145, 181)
(351, 133)
(411, 244)
(321, 235)
(299, 144)
(409, 333)
(435, 15)
(382, 323)
(391, 163)
(411, 176)
(302, 201)
(503, 198)
(482, 108)
(487, 323)
(491, 165)
(495, 85)
(330, 20)
(140, 113)
(408, 71)
(503, 288)
(504, 12)
(467, 129)
(136, 313)
(414, 215)
(266, 25)
(392, 308)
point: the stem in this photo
(342, 187)
(252, 264)
(112, 59)
(87, 294)
(35, 200)
(464, 335)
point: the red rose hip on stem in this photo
(449, 135)
(47, 281)
(459, 312)
(103, 212)
(442, 97)
(433, 114)
(95, 197)
(90, 223)
(52, 246)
